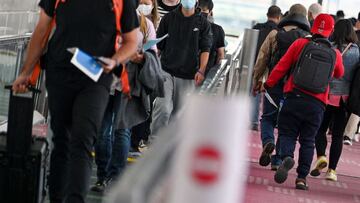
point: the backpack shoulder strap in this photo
(37, 69)
(118, 9)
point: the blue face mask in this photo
(188, 4)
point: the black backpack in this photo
(284, 39)
(315, 66)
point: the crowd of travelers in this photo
(305, 76)
(141, 90)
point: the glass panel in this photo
(286, 4)
(9, 53)
(235, 15)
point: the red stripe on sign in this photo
(206, 165)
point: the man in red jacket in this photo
(302, 111)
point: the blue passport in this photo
(87, 64)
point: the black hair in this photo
(285, 14)
(344, 33)
(206, 4)
(274, 12)
(353, 21)
(340, 14)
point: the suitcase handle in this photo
(30, 88)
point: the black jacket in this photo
(264, 30)
(188, 37)
(354, 99)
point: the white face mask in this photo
(145, 9)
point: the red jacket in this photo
(290, 58)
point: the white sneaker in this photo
(331, 175)
(347, 140)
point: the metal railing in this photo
(17, 22)
(12, 52)
(224, 80)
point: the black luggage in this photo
(23, 158)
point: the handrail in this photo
(217, 77)
(13, 48)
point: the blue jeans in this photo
(112, 146)
(300, 119)
(255, 100)
(269, 121)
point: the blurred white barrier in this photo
(202, 159)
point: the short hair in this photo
(340, 14)
(353, 21)
(315, 9)
(358, 17)
(298, 9)
(206, 4)
(274, 12)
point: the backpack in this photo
(284, 39)
(118, 9)
(314, 68)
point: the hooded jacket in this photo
(188, 38)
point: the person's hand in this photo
(108, 64)
(199, 78)
(257, 87)
(137, 58)
(263, 89)
(20, 85)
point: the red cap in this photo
(323, 25)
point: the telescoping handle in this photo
(30, 88)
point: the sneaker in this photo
(300, 184)
(320, 164)
(283, 170)
(265, 158)
(331, 175)
(99, 186)
(347, 140)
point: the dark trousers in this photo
(112, 145)
(269, 120)
(142, 131)
(77, 105)
(339, 117)
(300, 117)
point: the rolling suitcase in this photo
(23, 158)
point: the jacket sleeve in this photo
(163, 30)
(284, 65)
(206, 37)
(339, 67)
(264, 56)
